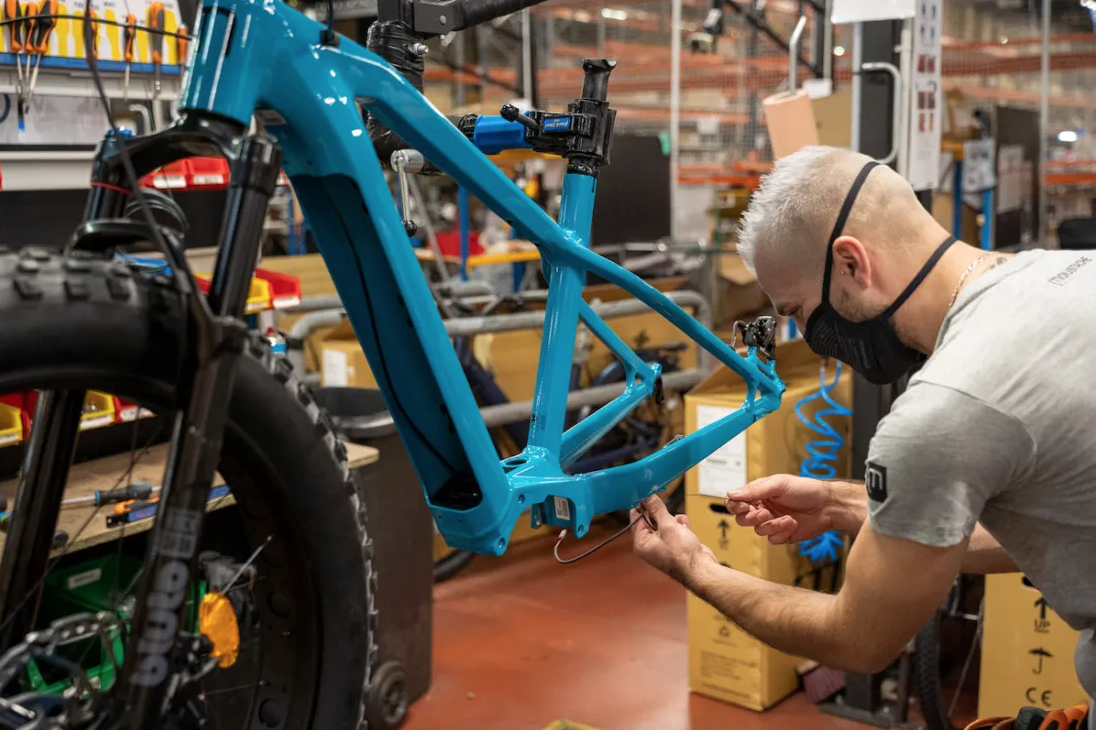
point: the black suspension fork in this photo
(41, 488)
(217, 337)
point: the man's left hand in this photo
(671, 546)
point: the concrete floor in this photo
(609, 652)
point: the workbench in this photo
(104, 473)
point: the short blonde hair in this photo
(794, 209)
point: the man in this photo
(986, 463)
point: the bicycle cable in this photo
(123, 151)
(567, 561)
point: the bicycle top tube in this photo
(262, 58)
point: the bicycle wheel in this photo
(84, 323)
(926, 659)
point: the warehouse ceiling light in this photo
(839, 50)
(1067, 135)
(614, 14)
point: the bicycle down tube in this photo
(264, 58)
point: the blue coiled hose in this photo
(821, 461)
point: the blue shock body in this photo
(262, 58)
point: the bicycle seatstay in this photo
(265, 58)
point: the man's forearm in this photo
(849, 506)
(793, 620)
(985, 555)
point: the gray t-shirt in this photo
(999, 427)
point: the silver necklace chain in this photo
(972, 267)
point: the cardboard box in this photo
(790, 119)
(1027, 651)
(833, 118)
(724, 662)
(513, 357)
(343, 362)
(739, 293)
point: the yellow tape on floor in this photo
(568, 725)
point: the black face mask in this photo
(872, 347)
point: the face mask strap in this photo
(839, 224)
(940, 251)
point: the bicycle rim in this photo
(274, 680)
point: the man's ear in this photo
(850, 260)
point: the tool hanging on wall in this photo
(12, 12)
(28, 14)
(182, 43)
(91, 42)
(154, 22)
(47, 21)
(129, 49)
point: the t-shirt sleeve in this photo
(936, 459)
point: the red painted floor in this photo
(521, 641)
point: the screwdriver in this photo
(154, 22)
(12, 12)
(137, 490)
(142, 509)
(29, 15)
(130, 41)
(92, 20)
(182, 42)
(47, 20)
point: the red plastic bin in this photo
(207, 173)
(285, 290)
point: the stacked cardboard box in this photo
(725, 662)
(1027, 651)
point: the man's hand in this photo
(787, 508)
(671, 546)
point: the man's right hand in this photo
(786, 508)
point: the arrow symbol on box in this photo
(1041, 604)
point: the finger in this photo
(758, 489)
(640, 528)
(754, 518)
(783, 537)
(776, 526)
(683, 520)
(656, 510)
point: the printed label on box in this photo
(334, 368)
(725, 469)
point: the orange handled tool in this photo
(28, 15)
(91, 24)
(182, 43)
(47, 21)
(154, 22)
(130, 48)
(13, 11)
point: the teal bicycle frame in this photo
(262, 58)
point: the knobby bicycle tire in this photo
(926, 658)
(84, 322)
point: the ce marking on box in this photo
(1035, 697)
